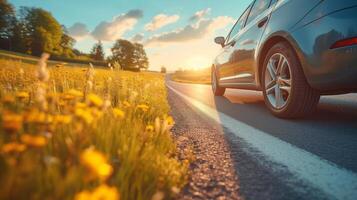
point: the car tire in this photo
(289, 95)
(217, 90)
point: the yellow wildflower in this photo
(84, 115)
(67, 97)
(8, 99)
(118, 113)
(80, 105)
(51, 96)
(95, 100)
(102, 192)
(13, 147)
(49, 119)
(35, 116)
(143, 107)
(97, 113)
(170, 121)
(11, 122)
(39, 117)
(33, 141)
(61, 103)
(84, 195)
(75, 93)
(126, 104)
(63, 119)
(22, 95)
(149, 128)
(96, 162)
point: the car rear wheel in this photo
(217, 90)
(286, 91)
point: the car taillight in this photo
(345, 43)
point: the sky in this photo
(175, 33)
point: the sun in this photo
(198, 62)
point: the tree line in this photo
(34, 31)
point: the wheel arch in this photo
(270, 42)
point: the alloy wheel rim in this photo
(278, 81)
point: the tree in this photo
(66, 45)
(97, 52)
(163, 70)
(7, 22)
(34, 31)
(130, 56)
(140, 58)
(42, 31)
(123, 53)
(18, 38)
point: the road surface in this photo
(310, 158)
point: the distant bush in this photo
(163, 70)
(80, 61)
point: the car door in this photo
(222, 61)
(242, 55)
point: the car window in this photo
(239, 25)
(258, 7)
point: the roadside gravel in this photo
(212, 171)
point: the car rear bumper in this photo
(339, 71)
(326, 69)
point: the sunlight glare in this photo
(197, 62)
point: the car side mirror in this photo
(220, 40)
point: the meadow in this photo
(74, 132)
(201, 76)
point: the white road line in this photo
(322, 174)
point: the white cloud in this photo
(196, 31)
(165, 48)
(200, 14)
(220, 22)
(160, 21)
(170, 49)
(110, 31)
(78, 30)
(137, 38)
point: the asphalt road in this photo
(310, 158)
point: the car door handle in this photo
(262, 22)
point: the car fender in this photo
(266, 43)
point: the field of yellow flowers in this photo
(85, 133)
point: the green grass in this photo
(121, 121)
(25, 58)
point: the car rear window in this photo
(258, 7)
(239, 25)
